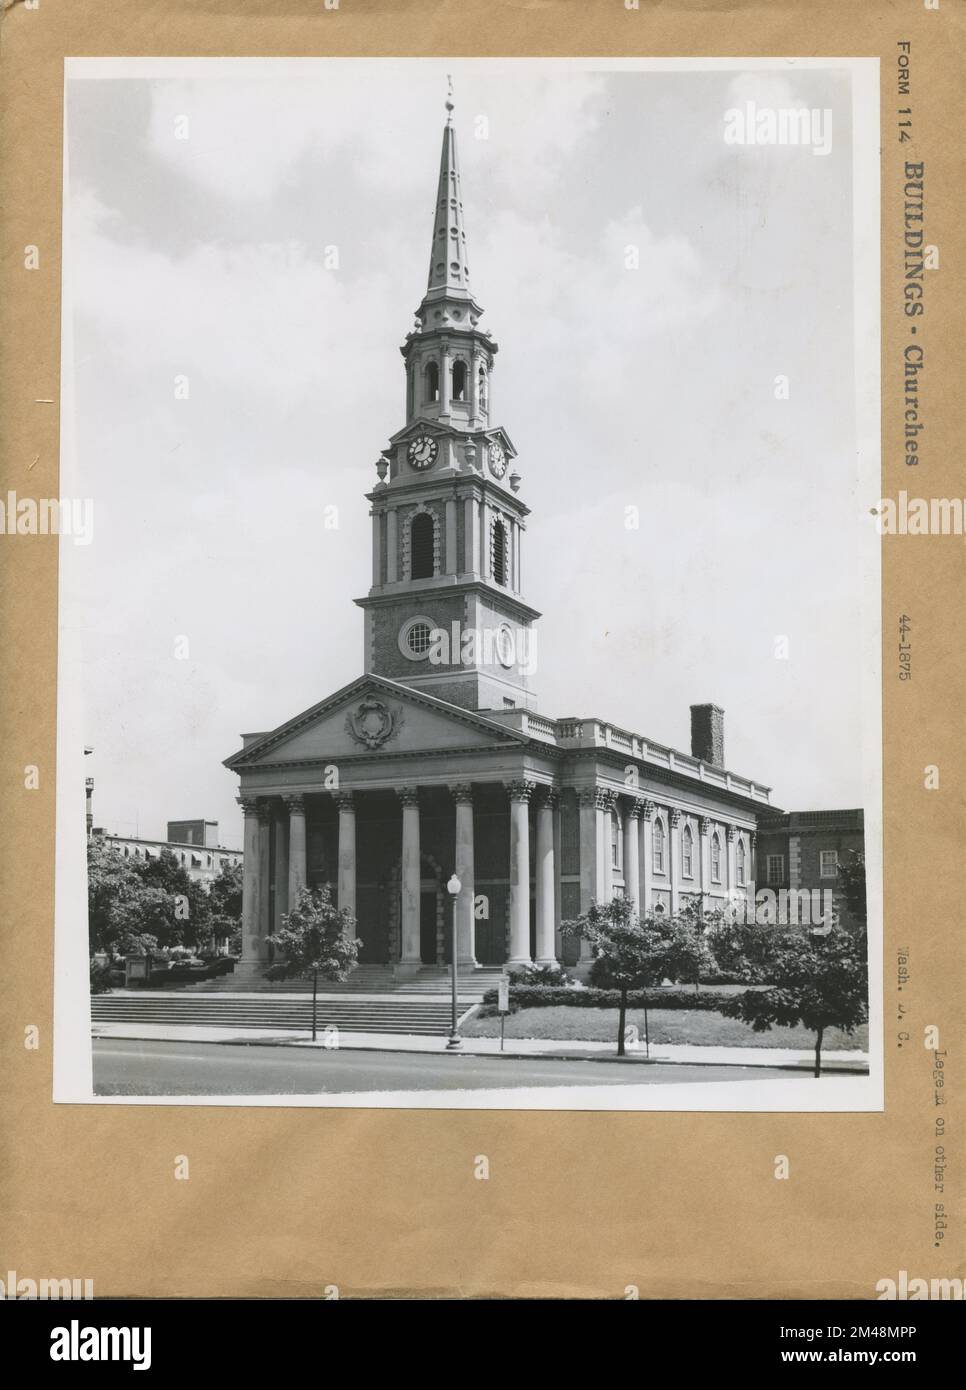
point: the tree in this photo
(742, 949)
(687, 956)
(225, 905)
(820, 980)
(852, 882)
(632, 950)
(315, 938)
(119, 905)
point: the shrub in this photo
(546, 976)
(671, 997)
(100, 977)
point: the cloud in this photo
(244, 138)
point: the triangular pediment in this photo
(373, 716)
(420, 426)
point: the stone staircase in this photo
(431, 981)
(186, 1008)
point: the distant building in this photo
(194, 843)
(803, 850)
(193, 832)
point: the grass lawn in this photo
(695, 1026)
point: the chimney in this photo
(707, 734)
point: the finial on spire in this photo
(449, 98)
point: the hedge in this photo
(675, 997)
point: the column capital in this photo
(635, 808)
(598, 797)
(548, 797)
(344, 800)
(409, 796)
(753, 837)
(675, 819)
(462, 793)
(263, 810)
(704, 825)
(248, 803)
(648, 809)
(732, 833)
(295, 802)
(521, 790)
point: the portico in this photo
(533, 815)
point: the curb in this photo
(837, 1070)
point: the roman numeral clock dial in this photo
(422, 451)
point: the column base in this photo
(467, 963)
(250, 970)
(548, 961)
(522, 963)
(406, 969)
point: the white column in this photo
(546, 879)
(589, 858)
(444, 381)
(465, 921)
(647, 855)
(376, 547)
(411, 873)
(520, 793)
(752, 866)
(471, 535)
(606, 802)
(392, 546)
(485, 540)
(296, 846)
(450, 565)
(281, 869)
(730, 859)
(674, 857)
(347, 851)
(251, 888)
(474, 370)
(704, 860)
(264, 866)
(632, 853)
(558, 869)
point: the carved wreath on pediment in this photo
(372, 722)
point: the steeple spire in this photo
(449, 274)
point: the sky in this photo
(201, 211)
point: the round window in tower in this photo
(416, 637)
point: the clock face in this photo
(423, 451)
(497, 460)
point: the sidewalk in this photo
(854, 1063)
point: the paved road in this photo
(141, 1068)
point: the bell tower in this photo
(446, 612)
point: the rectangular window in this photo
(829, 862)
(776, 869)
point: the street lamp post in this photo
(453, 889)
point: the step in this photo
(430, 1017)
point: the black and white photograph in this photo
(469, 625)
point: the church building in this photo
(437, 758)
